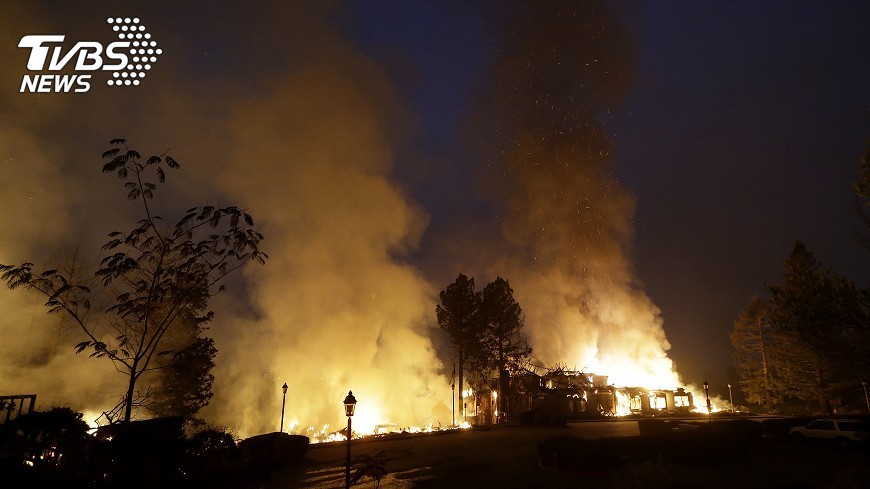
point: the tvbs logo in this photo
(128, 59)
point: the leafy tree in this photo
(503, 342)
(458, 315)
(153, 275)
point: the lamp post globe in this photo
(707, 396)
(283, 402)
(349, 404)
(731, 398)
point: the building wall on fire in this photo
(571, 394)
(587, 395)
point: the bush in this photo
(214, 459)
(274, 450)
(209, 442)
(146, 452)
(44, 447)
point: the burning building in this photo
(572, 394)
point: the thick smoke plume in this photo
(568, 221)
(338, 311)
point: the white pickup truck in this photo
(843, 432)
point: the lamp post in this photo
(866, 399)
(349, 408)
(283, 400)
(453, 394)
(730, 398)
(707, 395)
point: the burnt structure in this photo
(574, 394)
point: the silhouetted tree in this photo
(862, 194)
(458, 315)
(822, 317)
(751, 340)
(184, 380)
(153, 276)
(503, 342)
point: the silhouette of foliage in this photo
(366, 465)
(811, 336)
(458, 315)
(503, 343)
(862, 195)
(152, 275)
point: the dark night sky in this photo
(740, 133)
(740, 136)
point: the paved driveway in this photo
(480, 457)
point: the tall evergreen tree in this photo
(458, 315)
(183, 380)
(862, 194)
(504, 343)
(811, 309)
(752, 350)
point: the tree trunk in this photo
(822, 392)
(461, 393)
(128, 397)
(764, 369)
(501, 364)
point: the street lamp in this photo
(866, 399)
(731, 398)
(283, 400)
(707, 395)
(349, 408)
(453, 394)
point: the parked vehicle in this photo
(843, 432)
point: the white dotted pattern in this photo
(143, 49)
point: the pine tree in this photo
(458, 315)
(183, 380)
(751, 339)
(806, 308)
(862, 195)
(504, 343)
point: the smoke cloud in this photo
(568, 222)
(338, 309)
